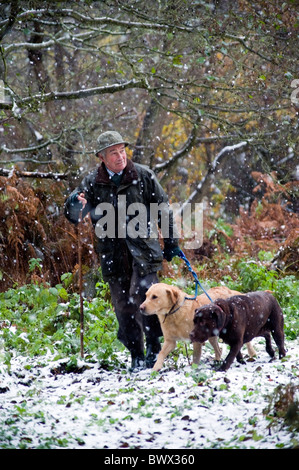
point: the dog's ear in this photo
(223, 304)
(173, 294)
(220, 316)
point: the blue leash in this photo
(197, 283)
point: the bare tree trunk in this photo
(14, 9)
(149, 135)
(36, 59)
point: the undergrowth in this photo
(36, 319)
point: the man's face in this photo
(115, 158)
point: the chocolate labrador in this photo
(239, 319)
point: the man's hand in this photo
(81, 198)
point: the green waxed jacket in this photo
(138, 185)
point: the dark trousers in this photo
(127, 293)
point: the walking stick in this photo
(80, 286)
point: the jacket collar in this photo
(129, 175)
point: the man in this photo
(129, 263)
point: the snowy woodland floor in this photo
(179, 408)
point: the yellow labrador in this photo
(176, 313)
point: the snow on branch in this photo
(225, 150)
(3, 148)
(72, 95)
(96, 21)
(46, 44)
(34, 174)
(202, 186)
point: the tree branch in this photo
(30, 149)
(180, 153)
(201, 188)
(33, 174)
(96, 21)
(73, 95)
(128, 24)
(46, 44)
(241, 40)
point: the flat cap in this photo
(108, 139)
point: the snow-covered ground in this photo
(179, 408)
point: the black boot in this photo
(138, 363)
(153, 348)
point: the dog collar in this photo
(174, 309)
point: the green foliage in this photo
(35, 263)
(222, 226)
(255, 276)
(35, 319)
